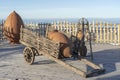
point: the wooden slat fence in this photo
(106, 32)
(69, 28)
(101, 32)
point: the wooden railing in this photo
(69, 28)
(101, 32)
(106, 32)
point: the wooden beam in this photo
(91, 64)
(68, 66)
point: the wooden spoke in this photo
(35, 51)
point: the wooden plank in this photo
(93, 27)
(97, 34)
(27, 31)
(111, 33)
(28, 38)
(115, 34)
(119, 34)
(26, 44)
(101, 33)
(60, 25)
(54, 25)
(91, 64)
(49, 46)
(66, 26)
(68, 66)
(108, 32)
(73, 26)
(104, 32)
(29, 41)
(48, 43)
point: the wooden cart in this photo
(37, 44)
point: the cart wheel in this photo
(83, 51)
(35, 51)
(29, 55)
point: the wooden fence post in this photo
(108, 33)
(69, 28)
(76, 28)
(111, 33)
(60, 26)
(101, 33)
(97, 34)
(93, 27)
(115, 34)
(104, 32)
(57, 25)
(72, 28)
(66, 25)
(54, 25)
(119, 34)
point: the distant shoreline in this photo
(74, 20)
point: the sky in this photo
(36, 9)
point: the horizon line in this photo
(72, 18)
